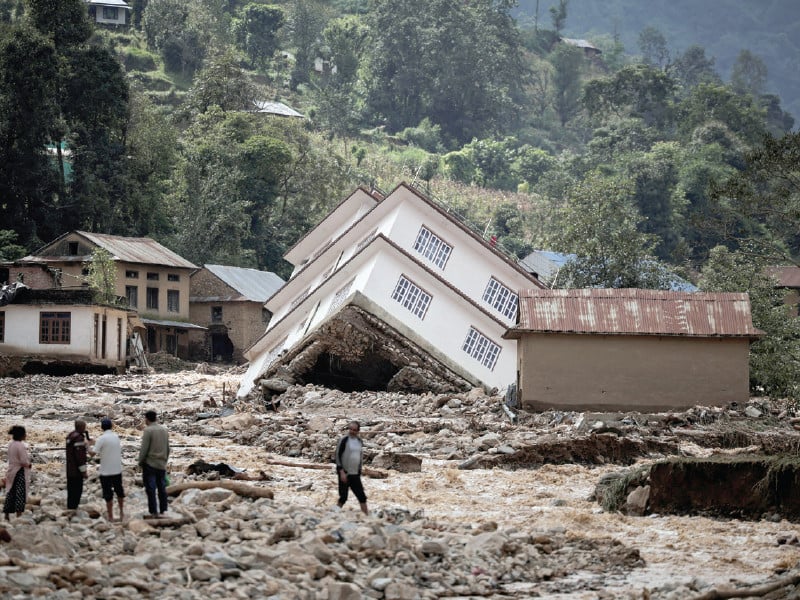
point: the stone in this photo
(343, 591)
(636, 502)
(400, 591)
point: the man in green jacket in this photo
(153, 456)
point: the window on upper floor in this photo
(481, 348)
(54, 327)
(173, 277)
(216, 314)
(152, 298)
(432, 247)
(72, 248)
(340, 296)
(132, 274)
(110, 12)
(152, 276)
(132, 294)
(501, 298)
(411, 296)
(173, 301)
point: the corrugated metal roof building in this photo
(631, 349)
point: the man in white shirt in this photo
(348, 466)
(109, 449)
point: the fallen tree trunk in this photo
(372, 473)
(750, 592)
(242, 489)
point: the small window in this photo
(434, 249)
(216, 314)
(110, 12)
(481, 348)
(132, 294)
(411, 296)
(132, 274)
(152, 298)
(152, 276)
(173, 301)
(54, 327)
(2, 326)
(72, 248)
(501, 298)
(173, 277)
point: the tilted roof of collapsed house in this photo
(634, 312)
(276, 108)
(252, 284)
(140, 250)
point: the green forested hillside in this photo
(768, 28)
(643, 161)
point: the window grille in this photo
(481, 348)
(501, 298)
(411, 296)
(433, 248)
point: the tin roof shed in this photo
(634, 312)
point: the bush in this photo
(426, 135)
(136, 59)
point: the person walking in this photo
(77, 447)
(349, 452)
(109, 449)
(153, 456)
(18, 475)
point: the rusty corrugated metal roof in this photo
(137, 250)
(788, 277)
(634, 312)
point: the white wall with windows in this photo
(92, 333)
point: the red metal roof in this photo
(634, 312)
(788, 277)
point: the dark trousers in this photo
(74, 492)
(155, 481)
(353, 483)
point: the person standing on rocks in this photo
(109, 449)
(153, 456)
(349, 453)
(18, 475)
(77, 446)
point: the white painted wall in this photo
(22, 333)
(120, 20)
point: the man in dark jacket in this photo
(348, 466)
(77, 443)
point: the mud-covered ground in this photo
(558, 541)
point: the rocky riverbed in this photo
(466, 503)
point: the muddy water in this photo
(694, 551)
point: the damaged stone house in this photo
(150, 279)
(53, 329)
(229, 303)
(632, 349)
(391, 292)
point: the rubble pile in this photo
(466, 502)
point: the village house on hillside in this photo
(229, 303)
(46, 330)
(153, 279)
(395, 293)
(109, 12)
(631, 349)
(788, 279)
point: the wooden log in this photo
(167, 521)
(242, 489)
(755, 591)
(367, 472)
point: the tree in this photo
(639, 91)
(306, 21)
(459, 64)
(102, 276)
(709, 103)
(654, 49)
(775, 358)
(222, 83)
(600, 226)
(558, 15)
(66, 22)
(9, 249)
(567, 63)
(256, 31)
(760, 205)
(692, 68)
(749, 75)
(28, 113)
